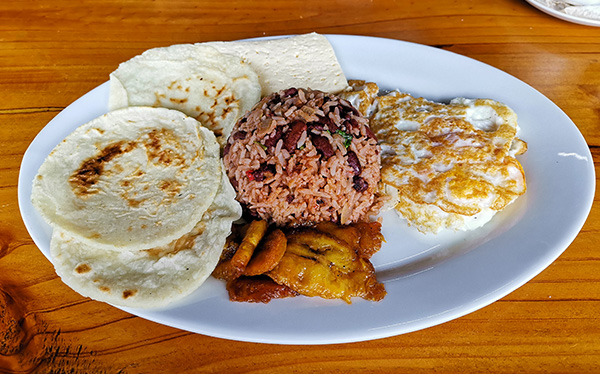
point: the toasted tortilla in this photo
(153, 277)
(303, 61)
(131, 179)
(214, 88)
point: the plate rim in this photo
(562, 15)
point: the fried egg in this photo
(361, 95)
(448, 166)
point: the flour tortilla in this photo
(131, 179)
(303, 61)
(148, 278)
(214, 88)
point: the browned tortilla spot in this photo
(83, 268)
(158, 100)
(156, 152)
(132, 203)
(206, 117)
(171, 187)
(118, 169)
(91, 169)
(226, 111)
(129, 293)
(178, 101)
(229, 99)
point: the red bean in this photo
(348, 108)
(233, 182)
(316, 125)
(291, 137)
(322, 144)
(272, 141)
(353, 162)
(359, 184)
(265, 170)
(290, 92)
(328, 123)
(239, 135)
(370, 133)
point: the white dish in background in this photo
(564, 16)
(429, 279)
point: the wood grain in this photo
(53, 51)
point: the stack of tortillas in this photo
(138, 199)
(139, 205)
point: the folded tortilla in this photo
(214, 88)
(303, 61)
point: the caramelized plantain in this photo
(349, 234)
(319, 264)
(259, 289)
(224, 270)
(370, 238)
(229, 269)
(255, 233)
(364, 237)
(267, 254)
(330, 261)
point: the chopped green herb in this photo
(347, 137)
(264, 147)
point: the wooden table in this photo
(53, 51)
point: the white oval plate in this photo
(429, 279)
(564, 16)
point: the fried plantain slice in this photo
(224, 269)
(333, 249)
(235, 266)
(370, 238)
(267, 255)
(364, 237)
(255, 233)
(349, 234)
(319, 264)
(259, 289)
